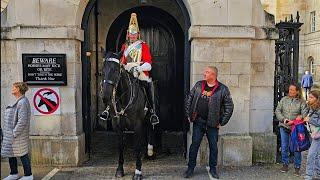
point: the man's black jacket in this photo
(220, 104)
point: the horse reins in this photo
(114, 92)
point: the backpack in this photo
(299, 138)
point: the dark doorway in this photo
(170, 49)
(166, 40)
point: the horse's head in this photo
(111, 71)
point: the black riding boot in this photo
(150, 95)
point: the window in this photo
(311, 65)
(313, 21)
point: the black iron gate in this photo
(286, 61)
(287, 57)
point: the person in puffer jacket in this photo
(287, 110)
(313, 160)
(16, 133)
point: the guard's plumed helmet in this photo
(133, 24)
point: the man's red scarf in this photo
(210, 93)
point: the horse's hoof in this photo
(137, 177)
(119, 173)
(150, 150)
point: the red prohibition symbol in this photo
(51, 105)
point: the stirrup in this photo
(105, 114)
(154, 120)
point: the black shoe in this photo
(137, 177)
(214, 174)
(297, 171)
(284, 168)
(188, 173)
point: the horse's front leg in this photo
(120, 171)
(139, 143)
(151, 139)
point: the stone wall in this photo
(309, 42)
(312, 49)
(243, 51)
(34, 26)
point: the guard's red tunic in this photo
(145, 56)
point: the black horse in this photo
(125, 101)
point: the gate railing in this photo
(287, 57)
(286, 63)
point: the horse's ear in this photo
(108, 55)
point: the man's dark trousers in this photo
(199, 129)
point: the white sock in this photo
(137, 172)
(150, 146)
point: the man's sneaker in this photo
(27, 177)
(297, 171)
(285, 168)
(214, 174)
(188, 173)
(12, 177)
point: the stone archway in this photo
(96, 29)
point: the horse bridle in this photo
(114, 91)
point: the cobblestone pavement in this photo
(38, 172)
(172, 167)
(103, 163)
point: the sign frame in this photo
(30, 81)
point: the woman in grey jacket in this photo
(313, 160)
(287, 110)
(16, 133)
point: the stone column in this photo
(239, 43)
(33, 27)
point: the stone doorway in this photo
(105, 29)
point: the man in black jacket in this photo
(209, 106)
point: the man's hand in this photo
(306, 119)
(139, 68)
(134, 71)
(218, 126)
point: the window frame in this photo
(313, 21)
(312, 66)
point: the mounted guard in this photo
(137, 59)
(124, 97)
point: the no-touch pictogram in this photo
(46, 101)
